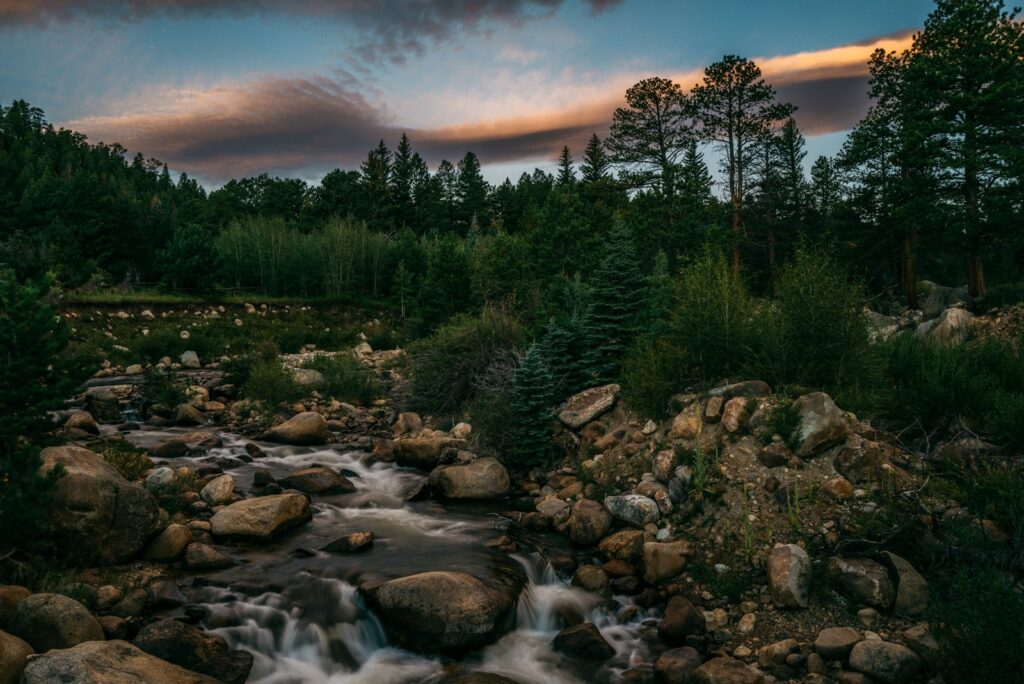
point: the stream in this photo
(297, 609)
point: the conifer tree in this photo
(566, 174)
(595, 164)
(532, 403)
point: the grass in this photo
(128, 460)
(345, 378)
(273, 384)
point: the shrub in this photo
(531, 415)
(272, 383)
(162, 389)
(652, 373)
(128, 460)
(445, 366)
(345, 378)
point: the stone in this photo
(776, 652)
(14, 653)
(681, 620)
(10, 596)
(94, 509)
(107, 662)
(748, 388)
(483, 478)
(822, 423)
(304, 429)
(204, 557)
(837, 489)
(911, 587)
(713, 409)
(554, 509)
(885, 661)
(774, 455)
(82, 420)
(189, 359)
(789, 576)
(835, 643)
(218, 491)
(724, 670)
(624, 545)
(951, 328)
(161, 478)
(48, 621)
(633, 509)
(588, 522)
(114, 627)
(862, 580)
(193, 649)
(663, 465)
(676, 665)
(170, 544)
(592, 578)
(664, 560)
(734, 415)
(407, 423)
(166, 594)
(862, 460)
(461, 431)
(317, 480)
(104, 404)
(920, 640)
(355, 541)
(107, 596)
(423, 452)
(584, 407)
(261, 518)
(444, 612)
(187, 414)
(687, 423)
(583, 641)
(308, 378)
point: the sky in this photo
(231, 88)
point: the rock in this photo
(484, 478)
(193, 649)
(724, 670)
(920, 640)
(355, 541)
(861, 460)
(588, 522)
(170, 544)
(166, 594)
(664, 560)
(837, 489)
(135, 369)
(48, 621)
(911, 586)
(94, 509)
(218, 491)
(107, 662)
(204, 557)
(407, 423)
(624, 545)
(592, 578)
(189, 359)
(10, 596)
(161, 478)
(461, 431)
(82, 420)
(822, 423)
(952, 327)
(187, 414)
(776, 653)
(687, 424)
(663, 465)
(747, 388)
(317, 480)
(863, 580)
(447, 612)
(307, 428)
(309, 378)
(868, 617)
(584, 407)
(423, 452)
(681, 620)
(789, 576)
(261, 518)
(104, 404)
(885, 661)
(633, 509)
(676, 665)
(835, 643)
(107, 596)
(554, 509)
(481, 678)
(14, 653)
(583, 641)
(774, 455)
(114, 627)
(734, 415)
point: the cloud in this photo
(389, 30)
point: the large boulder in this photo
(303, 429)
(193, 649)
(218, 491)
(789, 576)
(633, 509)
(13, 655)
(104, 404)
(725, 670)
(885, 661)
(48, 621)
(82, 420)
(423, 452)
(107, 662)
(317, 480)
(588, 522)
(483, 478)
(95, 510)
(863, 580)
(444, 612)
(261, 518)
(822, 423)
(911, 586)
(584, 407)
(952, 327)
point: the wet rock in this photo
(664, 560)
(789, 576)
(218, 491)
(624, 545)
(583, 641)
(48, 621)
(911, 586)
(94, 662)
(193, 649)
(483, 478)
(14, 653)
(94, 509)
(204, 557)
(724, 670)
(447, 612)
(261, 518)
(303, 429)
(822, 423)
(584, 407)
(588, 522)
(682, 619)
(317, 480)
(592, 578)
(863, 580)
(170, 544)
(835, 643)
(676, 665)
(423, 452)
(356, 541)
(885, 661)
(633, 509)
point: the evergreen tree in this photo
(595, 164)
(472, 192)
(532, 404)
(402, 179)
(566, 174)
(826, 187)
(376, 184)
(793, 186)
(694, 178)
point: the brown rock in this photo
(681, 620)
(624, 545)
(835, 643)
(726, 671)
(838, 489)
(664, 560)
(583, 641)
(588, 522)
(14, 654)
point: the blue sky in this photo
(227, 88)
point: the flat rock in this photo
(107, 662)
(261, 518)
(483, 478)
(303, 429)
(317, 480)
(584, 407)
(885, 661)
(835, 643)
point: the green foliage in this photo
(130, 461)
(652, 373)
(272, 383)
(345, 378)
(162, 389)
(532, 402)
(784, 421)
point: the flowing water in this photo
(298, 611)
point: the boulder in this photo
(94, 509)
(189, 359)
(592, 578)
(911, 586)
(664, 560)
(82, 420)
(317, 480)
(10, 596)
(104, 404)
(920, 640)
(789, 576)
(170, 544)
(193, 649)
(734, 415)
(725, 670)
(687, 424)
(204, 557)
(355, 541)
(187, 414)
(423, 452)
(624, 545)
(303, 429)
(583, 641)
(483, 478)
(48, 621)
(633, 509)
(407, 423)
(588, 522)
(14, 654)
(835, 643)
(308, 378)
(261, 518)
(446, 612)
(822, 423)
(676, 665)
(682, 619)
(885, 661)
(952, 327)
(107, 662)
(862, 460)
(218, 491)
(584, 407)
(161, 478)
(862, 580)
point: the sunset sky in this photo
(229, 88)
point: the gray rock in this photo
(189, 359)
(789, 576)
(822, 423)
(911, 587)
(863, 580)
(885, 661)
(584, 407)
(633, 509)
(48, 621)
(107, 662)
(218, 491)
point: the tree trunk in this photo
(736, 231)
(975, 275)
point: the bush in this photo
(445, 367)
(162, 389)
(128, 460)
(652, 374)
(345, 378)
(273, 384)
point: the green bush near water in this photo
(345, 378)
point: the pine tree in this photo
(566, 175)
(826, 188)
(793, 185)
(595, 164)
(694, 178)
(376, 183)
(402, 288)
(532, 403)
(402, 179)
(472, 192)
